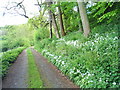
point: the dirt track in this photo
(50, 75)
(17, 74)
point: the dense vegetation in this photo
(81, 39)
(13, 39)
(89, 62)
(15, 36)
(8, 58)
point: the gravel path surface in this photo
(17, 74)
(51, 76)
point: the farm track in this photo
(50, 75)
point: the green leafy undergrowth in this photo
(8, 58)
(91, 62)
(34, 80)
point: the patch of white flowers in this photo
(62, 63)
(74, 43)
(55, 58)
(93, 43)
(114, 83)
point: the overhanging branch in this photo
(17, 7)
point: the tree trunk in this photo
(50, 19)
(61, 22)
(55, 26)
(84, 18)
(80, 25)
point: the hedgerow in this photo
(8, 58)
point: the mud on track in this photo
(51, 76)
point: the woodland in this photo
(80, 38)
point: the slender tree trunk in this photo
(80, 25)
(61, 22)
(50, 19)
(84, 18)
(55, 26)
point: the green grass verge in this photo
(34, 80)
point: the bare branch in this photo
(18, 6)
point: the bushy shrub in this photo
(41, 33)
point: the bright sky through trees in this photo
(31, 9)
(10, 19)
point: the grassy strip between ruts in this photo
(34, 80)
